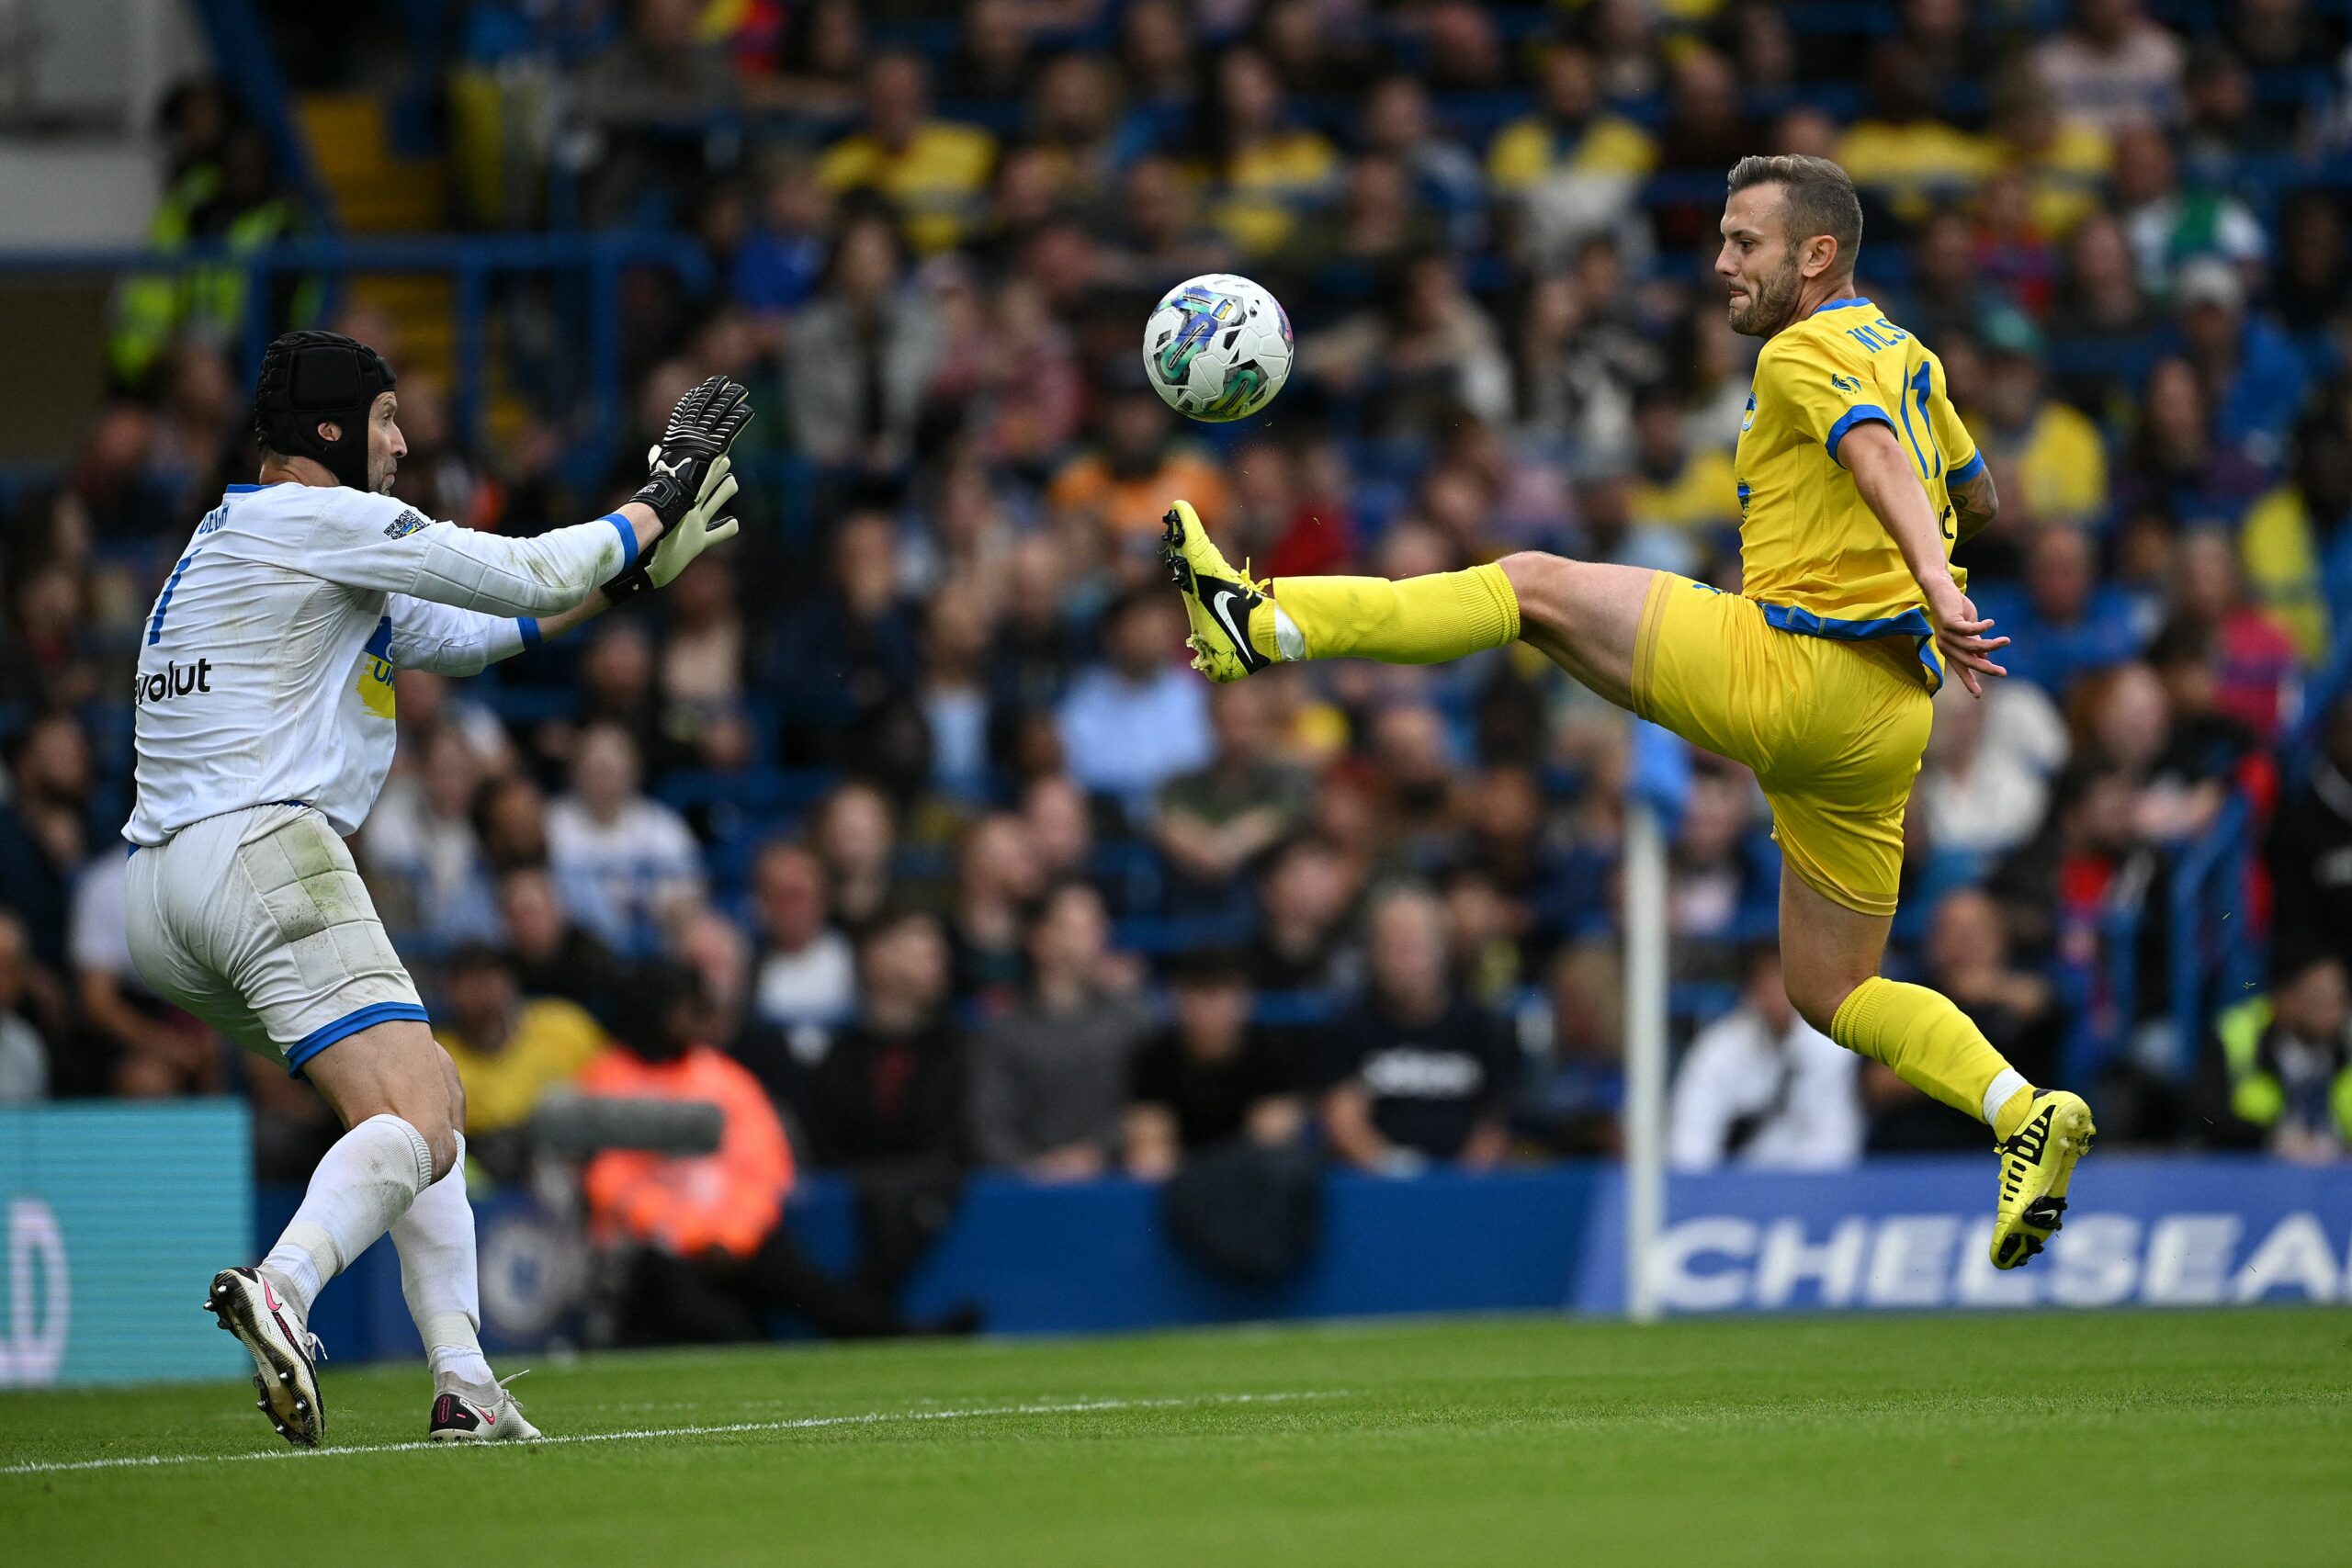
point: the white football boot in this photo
(464, 1414)
(284, 1352)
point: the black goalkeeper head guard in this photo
(307, 379)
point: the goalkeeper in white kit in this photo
(265, 728)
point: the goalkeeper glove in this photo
(703, 425)
(692, 533)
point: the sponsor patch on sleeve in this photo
(407, 522)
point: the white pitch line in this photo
(803, 1423)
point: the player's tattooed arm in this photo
(1975, 504)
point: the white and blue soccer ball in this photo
(1217, 347)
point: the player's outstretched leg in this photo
(1240, 626)
(1830, 955)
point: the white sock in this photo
(439, 1275)
(365, 1182)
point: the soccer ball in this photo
(1217, 347)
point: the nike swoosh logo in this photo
(269, 1297)
(488, 1419)
(1221, 606)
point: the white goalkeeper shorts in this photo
(257, 921)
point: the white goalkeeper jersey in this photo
(265, 666)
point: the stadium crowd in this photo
(900, 829)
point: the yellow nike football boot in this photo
(2037, 1161)
(1217, 599)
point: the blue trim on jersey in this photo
(243, 490)
(164, 602)
(1838, 305)
(628, 532)
(1861, 413)
(1968, 470)
(347, 1026)
(529, 627)
(1911, 622)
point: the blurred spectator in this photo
(932, 170)
(1414, 1073)
(711, 1257)
(1429, 356)
(2102, 314)
(1707, 131)
(1968, 960)
(999, 881)
(2176, 464)
(624, 861)
(860, 354)
(1210, 1077)
(887, 1103)
(777, 267)
(804, 979)
(1761, 1088)
(1676, 487)
(1266, 167)
(1574, 165)
(2053, 451)
(2290, 1073)
(2062, 157)
(1049, 1080)
(2310, 855)
(2298, 553)
(655, 81)
(1582, 1095)
(2169, 227)
(1134, 723)
(1122, 488)
(2255, 674)
(44, 839)
(2062, 623)
(1215, 822)
(954, 691)
(510, 1049)
(855, 835)
(1899, 153)
(24, 1056)
(2113, 66)
(1984, 785)
(1302, 941)
(426, 868)
(553, 954)
(2253, 376)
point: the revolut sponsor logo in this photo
(1723, 1262)
(174, 679)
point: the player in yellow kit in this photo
(1856, 480)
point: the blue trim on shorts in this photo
(1966, 471)
(1861, 413)
(1911, 622)
(628, 532)
(529, 627)
(347, 1026)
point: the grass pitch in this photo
(2143, 1439)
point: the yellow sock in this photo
(1420, 620)
(1932, 1046)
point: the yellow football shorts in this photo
(1833, 729)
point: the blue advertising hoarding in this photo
(1914, 1232)
(112, 1220)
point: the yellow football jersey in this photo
(1815, 555)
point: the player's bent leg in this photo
(1830, 955)
(387, 1083)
